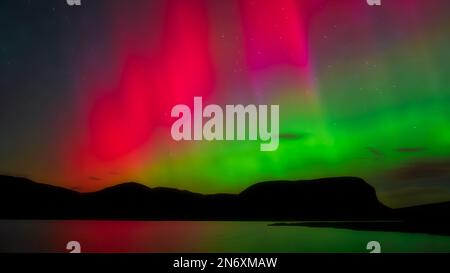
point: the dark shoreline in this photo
(432, 228)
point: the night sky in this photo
(86, 92)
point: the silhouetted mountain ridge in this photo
(341, 198)
(342, 202)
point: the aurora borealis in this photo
(86, 92)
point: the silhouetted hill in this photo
(328, 198)
(344, 198)
(25, 199)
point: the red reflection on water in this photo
(129, 236)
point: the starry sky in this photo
(86, 92)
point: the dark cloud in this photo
(293, 136)
(374, 151)
(411, 149)
(421, 169)
(94, 178)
